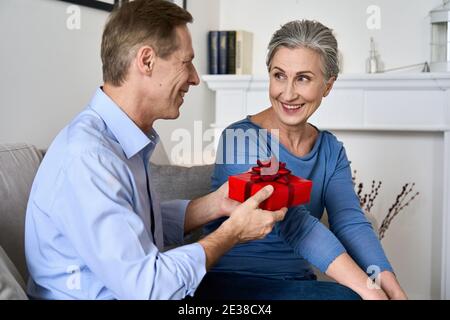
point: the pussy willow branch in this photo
(383, 230)
(373, 195)
(367, 200)
(398, 201)
(399, 207)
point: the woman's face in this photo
(297, 84)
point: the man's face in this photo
(173, 76)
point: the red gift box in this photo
(289, 190)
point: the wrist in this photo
(214, 201)
(366, 290)
(217, 244)
(230, 231)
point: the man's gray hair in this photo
(307, 34)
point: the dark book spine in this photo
(223, 55)
(231, 52)
(213, 52)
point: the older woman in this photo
(302, 62)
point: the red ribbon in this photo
(280, 176)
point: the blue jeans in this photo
(233, 286)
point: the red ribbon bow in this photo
(280, 176)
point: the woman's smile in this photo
(292, 108)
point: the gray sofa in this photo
(18, 166)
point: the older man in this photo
(93, 227)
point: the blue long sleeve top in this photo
(300, 239)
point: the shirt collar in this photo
(127, 133)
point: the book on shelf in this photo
(213, 52)
(244, 52)
(230, 52)
(223, 52)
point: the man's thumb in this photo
(260, 196)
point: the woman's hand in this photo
(391, 286)
(373, 294)
(346, 272)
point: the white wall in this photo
(402, 40)
(413, 241)
(49, 72)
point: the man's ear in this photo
(329, 86)
(145, 59)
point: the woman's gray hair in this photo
(307, 34)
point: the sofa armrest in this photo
(12, 286)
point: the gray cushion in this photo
(18, 166)
(159, 155)
(176, 182)
(12, 285)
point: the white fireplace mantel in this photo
(361, 102)
(357, 102)
(387, 81)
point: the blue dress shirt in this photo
(300, 239)
(88, 231)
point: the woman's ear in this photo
(146, 57)
(329, 86)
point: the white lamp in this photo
(440, 38)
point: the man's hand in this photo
(247, 222)
(226, 205)
(208, 208)
(253, 223)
